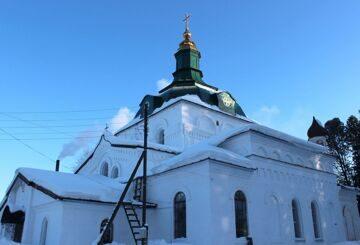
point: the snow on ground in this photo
(348, 243)
(68, 185)
(4, 241)
(151, 242)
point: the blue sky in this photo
(284, 61)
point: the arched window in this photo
(43, 233)
(105, 169)
(240, 214)
(108, 237)
(161, 137)
(296, 219)
(115, 172)
(316, 219)
(180, 215)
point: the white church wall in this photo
(193, 181)
(225, 181)
(305, 185)
(83, 221)
(124, 159)
(200, 123)
(350, 217)
(185, 123)
(269, 190)
(54, 215)
(168, 119)
(252, 143)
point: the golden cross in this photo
(187, 20)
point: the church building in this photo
(214, 177)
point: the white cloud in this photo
(162, 83)
(266, 114)
(122, 118)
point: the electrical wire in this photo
(60, 111)
(55, 138)
(28, 146)
(60, 126)
(57, 120)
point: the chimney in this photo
(57, 165)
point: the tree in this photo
(353, 140)
(339, 147)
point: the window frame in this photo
(161, 136)
(241, 214)
(103, 165)
(180, 218)
(315, 215)
(117, 172)
(297, 219)
(43, 231)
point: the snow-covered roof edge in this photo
(121, 143)
(349, 188)
(202, 152)
(221, 138)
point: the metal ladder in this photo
(134, 222)
(138, 185)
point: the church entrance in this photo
(13, 224)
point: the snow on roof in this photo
(114, 141)
(190, 98)
(74, 186)
(201, 152)
(220, 138)
(210, 148)
(350, 188)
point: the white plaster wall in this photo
(193, 180)
(185, 124)
(282, 183)
(348, 201)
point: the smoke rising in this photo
(81, 141)
(84, 138)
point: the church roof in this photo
(69, 186)
(316, 129)
(188, 80)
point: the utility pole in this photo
(146, 105)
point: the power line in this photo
(61, 126)
(45, 133)
(55, 138)
(32, 123)
(28, 146)
(60, 111)
(56, 120)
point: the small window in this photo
(315, 218)
(161, 137)
(108, 236)
(180, 215)
(296, 219)
(115, 172)
(240, 214)
(43, 233)
(105, 169)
